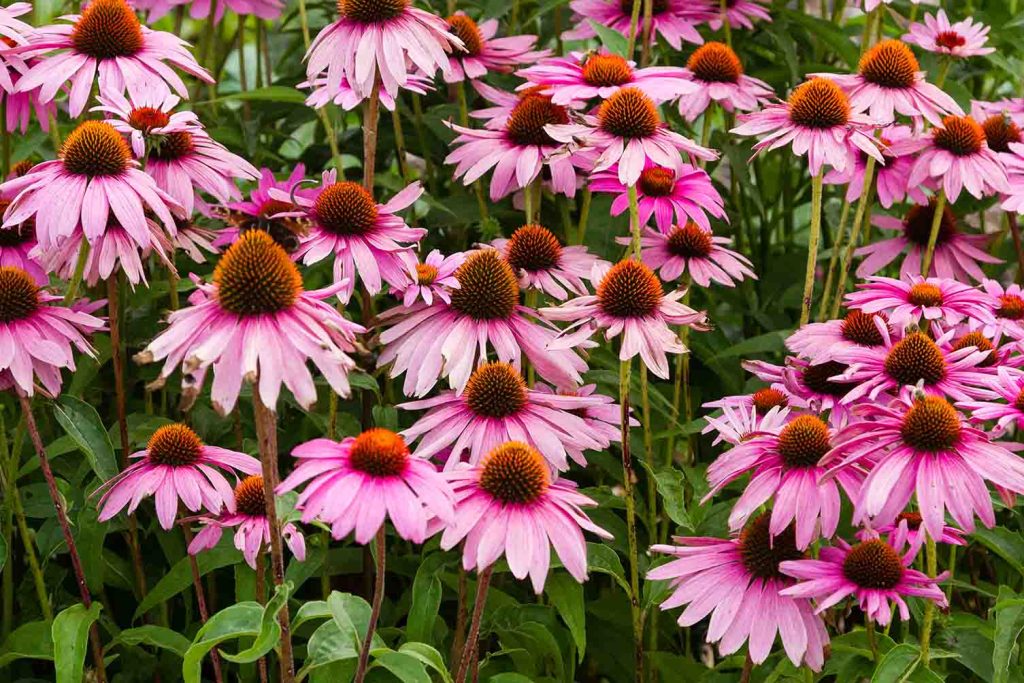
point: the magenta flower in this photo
(21, 106)
(965, 38)
(1003, 402)
(16, 245)
(718, 74)
(676, 194)
(673, 20)
(542, 263)
(1007, 311)
(146, 119)
(256, 322)
(912, 521)
(508, 505)
(743, 417)
(261, 211)
(357, 483)
(813, 386)
(741, 14)
(600, 413)
(483, 53)
(915, 298)
(695, 251)
(496, 406)
(264, 9)
(194, 240)
(430, 341)
(630, 301)
(433, 278)
(249, 519)
(107, 40)
(348, 98)
(737, 581)
(821, 342)
(890, 180)
(176, 468)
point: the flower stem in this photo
(634, 20)
(931, 562)
(478, 188)
(483, 581)
(371, 116)
(421, 136)
(204, 612)
(944, 65)
(860, 218)
(872, 641)
(748, 668)
(1014, 228)
(403, 162)
(933, 236)
(634, 557)
(645, 418)
(65, 527)
(724, 9)
(645, 46)
(837, 246)
(76, 278)
(634, 222)
(332, 138)
(581, 229)
(378, 599)
(812, 249)
(461, 617)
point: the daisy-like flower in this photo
(542, 262)
(740, 13)
(517, 150)
(262, 212)
(693, 250)
(21, 106)
(965, 38)
(921, 445)
(814, 386)
(583, 76)
(176, 467)
(37, 334)
(1004, 403)
(433, 278)
(957, 255)
(912, 520)
(630, 301)
(366, 238)
(256, 322)
(442, 339)
(673, 20)
(249, 519)
(496, 406)
(508, 505)
(872, 571)
(890, 180)
(16, 245)
(821, 341)
(601, 414)
(743, 417)
(718, 74)
(1007, 308)
(357, 483)
(195, 240)
(915, 298)
(676, 194)
(783, 464)
(1003, 135)
(106, 39)
(817, 122)
(628, 132)
(348, 99)
(375, 41)
(889, 81)
(737, 581)
(147, 118)
(995, 356)
(483, 53)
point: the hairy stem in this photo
(860, 217)
(634, 555)
(812, 249)
(469, 650)
(933, 235)
(378, 600)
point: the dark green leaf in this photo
(897, 664)
(610, 38)
(33, 640)
(235, 621)
(82, 423)
(426, 599)
(155, 636)
(404, 666)
(1009, 624)
(566, 596)
(270, 630)
(70, 632)
(180, 575)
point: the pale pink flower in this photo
(542, 263)
(348, 99)
(692, 250)
(914, 298)
(912, 521)
(718, 74)
(673, 20)
(264, 9)
(813, 386)
(483, 53)
(146, 119)
(743, 417)
(890, 179)
(601, 414)
(433, 278)
(965, 38)
(820, 342)
(740, 13)
(1006, 316)
(261, 211)
(1003, 402)
(16, 245)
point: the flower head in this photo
(1007, 311)
(483, 53)
(262, 212)
(717, 73)
(16, 245)
(432, 278)
(910, 300)
(544, 264)
(672, 195)
(146, 119)
(673, 20)
(821, 342)
(965, 38)
(1004, 404)
(890, 180)
(695, 251)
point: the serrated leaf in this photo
(70, 632)
(82, 423)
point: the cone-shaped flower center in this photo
(913, 520)
(657, 6)
(95, 149)
(1000, 131)
(249, 497)
(17, 235)
(931, 424)
(19, 294)
(1018, 403)
(959, 135)
(762, 553)
(372, 11)
(272, 207)
(917, 225)
(255, 276)
(107, 29)
(715, 63)
(515, 473)
(950, 40)
(605, 70)
(379, 453)
(859, 328)
(1011, 307)
(495, 390)
(657, 182)
(346, 208)
(527, 119)
(629, 290)
(173, 146)
(147, 118)
(925, 294)
(689, 241)
(488, 288)
(533, 248)
(175, 445)
(819, 103)
(873, 564)
(803, 442)
(816, 378)
(890, 64)
(21, 168)
(766, 399)
(915, 358)
(466, 30)
(630, 114)
(425, 273)
(979, 342)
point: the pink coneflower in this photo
(744, 416)
(915, 298)
(256, 322)
(783, 464)
(348, 99)
(718, 74)
(1014, 163)
(508, 505)
(262, 212)
(673, 20)
(816, 121)
(630, 301)
(695, 251)
(628, 132)
(176, 467)
(965, 38)
(922, 445)
(146, 119)
(195, 240)
(264, 9)
(496, 406)
(383, 42)
(601, 414)
(366, 238)
(740, 13)
(1007, 308)
(676, 194)
(820, 342)
(433, 278)
(37, 335)
(252, 530)
(483, 53)
(872, 571)
(16, 245)
(21, 106)
(583, 76)
(357, 483)
(814, 386)
(542, 262)
(13, 32)
(106, 39)
(912, 521)
(890, 180)
(737, 581)
(957, 255)
(1003, 403)
(444, 339)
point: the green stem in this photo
(944, 65)
(634, 557)
(403, 162)
(872, 640)
(634, 20)
(837, 244)
(933, 236)
(645, 36)
(634, 222)
(645, 419)
(724, 8)
(478, 188)
(531, 372)
(860, 217)
(812, 248)
(581, 229)
(931, 561)
(76, 277)
(325, 120)
(952, 572)
(869, 23)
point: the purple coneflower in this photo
(673, 20)
(433, 278)
(915, 298)
(718, 74)
(965, 38)
(695, 251)
(542, 263)
(820, 342)
(483, 53)
(673, 195)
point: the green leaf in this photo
(70, 632)
(271, 93)
(1007, 544)
(82, 423)
(33, 640)
(315, 609)
(236, 621)
(429, 656)
(509, 677)
(329, 643)
(404, 666)
(270, 630)
(180, 575)
(3, 552)
(566, 596)
(829, 33)
(154, 636)
(426, 599)
(610, 38)
(897, 665)
(1009, 623)
(604, 560)
(672, 488)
